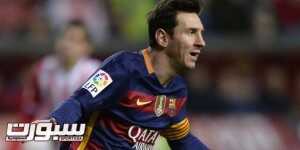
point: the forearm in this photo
(189, 142)
(69, 111)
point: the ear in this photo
(161, 37)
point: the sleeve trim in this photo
(177, 131)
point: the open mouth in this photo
(194, 53)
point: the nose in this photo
(200, 42)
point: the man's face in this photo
(187, 41)
(73, 44)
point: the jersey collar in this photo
(147, 59)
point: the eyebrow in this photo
(196, 29)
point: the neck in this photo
(68, 64)
(162, 66)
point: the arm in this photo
(180, 138)
(189, 142)
(178, 133)
(31, 97)
(102, 90)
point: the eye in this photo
(192, 31)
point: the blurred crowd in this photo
(43, 19)
(225, 82)
(115, 19)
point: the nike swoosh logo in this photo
(141, 103)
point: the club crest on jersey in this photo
(172, 107)
(160, 104)
(99, 81)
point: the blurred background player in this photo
(57, 76)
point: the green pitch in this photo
(161, 144)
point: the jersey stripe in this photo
(177, 131)
(148, 61)
(88, 132)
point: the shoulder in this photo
(181, 86)
(45, 65)
(125, 60)
(125, 56)
(90, 64)
(92, 61)
(48, 62)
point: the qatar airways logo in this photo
(143, 139)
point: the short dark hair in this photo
(78, 24)
(163, 15)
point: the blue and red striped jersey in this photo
(126, 107)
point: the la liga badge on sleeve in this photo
(98, 82)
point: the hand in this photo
(52, 120)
